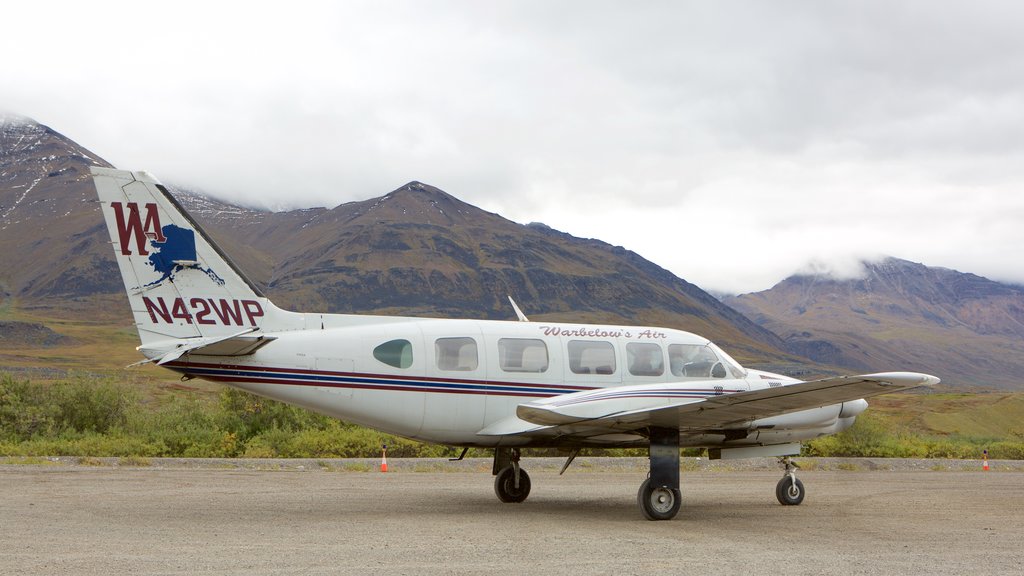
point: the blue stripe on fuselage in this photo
(368, 381)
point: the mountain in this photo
(966, 329)
(420, 251)
(50, 225)
(415, 251)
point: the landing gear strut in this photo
(511, 483)
(659, 497)
(789, 490)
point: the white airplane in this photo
(466, 383)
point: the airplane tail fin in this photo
(184, 292)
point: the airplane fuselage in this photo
(443, 381)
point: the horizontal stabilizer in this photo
(240, 344)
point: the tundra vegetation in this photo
(92, 416)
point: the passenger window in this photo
(591, 357)
(645, 359)
(522, 355)
(456, 354)
(397, 353)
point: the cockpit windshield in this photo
(734, 368)
(702, 361)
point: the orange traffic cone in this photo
(984, 463)
(384, 459)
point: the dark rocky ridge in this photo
(32, 334)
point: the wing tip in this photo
(905, 379)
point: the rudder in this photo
(180, 284)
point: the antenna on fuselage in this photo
(519, 313)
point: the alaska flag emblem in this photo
(170, 248)
(177, 252)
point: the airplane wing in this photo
(629, 408)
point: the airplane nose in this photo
(853, 408)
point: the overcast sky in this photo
(733, 143)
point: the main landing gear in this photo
(789, 490)
(659, 496)
(511, 483)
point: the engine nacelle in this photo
(853, 408)
(814, 418)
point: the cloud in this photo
(729, 143)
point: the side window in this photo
(456, 354)
(591, 357)
(522, 355)
(397, 353)
(645, 359)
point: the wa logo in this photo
(170, 248)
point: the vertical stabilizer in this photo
(179, 283)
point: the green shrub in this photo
(870, 436)
(247, 415)
(92, 417)
(25, 410)
(92, 405)
(1006, 450)
(339, 443)
(82, 405)
(273, 443)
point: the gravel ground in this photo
(484, 464)
(176, 516)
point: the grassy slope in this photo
(983, 415)
(101, 345)
(937, 425)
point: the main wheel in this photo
(790, 492)
(505, 485)
(658, 503)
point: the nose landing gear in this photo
(511, 483)
(789, 490)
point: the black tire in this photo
(790, 493)
(505, 485)
(658, 503)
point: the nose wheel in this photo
(789, 490)
(511, 483)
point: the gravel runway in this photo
(172, 518)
